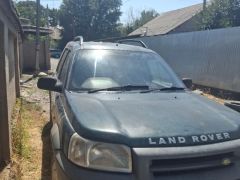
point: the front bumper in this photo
(143, 158)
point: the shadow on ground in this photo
(46, 152)
(2, 166)
(4, 171)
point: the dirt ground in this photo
(32, 160)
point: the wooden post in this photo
(47, 55)
(37, 37)
(204, 4)
(17, 66)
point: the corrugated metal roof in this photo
(168, 21)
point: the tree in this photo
(27, 9)
(221, 14)
(136, 21)
(146, 16)
(53, 17)
(93, 19)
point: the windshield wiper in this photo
(121, 88)
(173, 88)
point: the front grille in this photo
(179, 165)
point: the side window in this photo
(63, 72)
(61, 61)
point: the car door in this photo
(60, 75)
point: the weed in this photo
(23, 119)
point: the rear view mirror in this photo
(188, 82)
(49, 84)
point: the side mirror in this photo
(49, 84)
(188, 82)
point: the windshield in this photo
(97, 69)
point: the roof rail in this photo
(78, 38)
(132, 40)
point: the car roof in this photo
(105, 46)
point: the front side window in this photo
(63, 73)
(61, 61)
(95, 69)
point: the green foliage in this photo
(27, 9)
(32, 38)
(19, 134)
(126, 29)
(146, 15)
(93, 19)
(221, 14)
(54, 44)
(53, 17)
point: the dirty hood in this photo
(154, 119)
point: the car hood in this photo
(153, 119)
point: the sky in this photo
(139, 5)
(159, 5)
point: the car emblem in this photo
(226, 162)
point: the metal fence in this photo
(210, 58)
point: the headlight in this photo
(101, 156)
